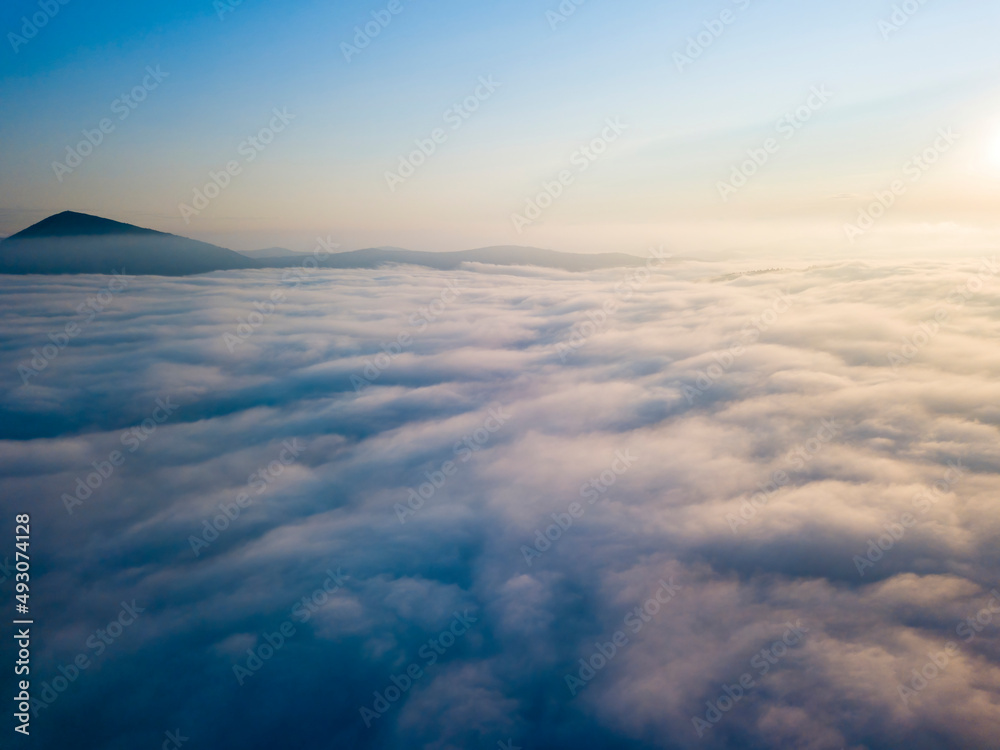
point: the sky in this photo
(354, 107)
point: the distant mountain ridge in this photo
(71, 242)
(271, 252)
(503, 255)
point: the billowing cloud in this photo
(397, 508)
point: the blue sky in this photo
(353, 121)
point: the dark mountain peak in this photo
(72, 242)
(73, 224)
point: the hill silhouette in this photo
(71, 242)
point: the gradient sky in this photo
(657, 184)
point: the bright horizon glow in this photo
(995, 153)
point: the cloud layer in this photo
(405, 504)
